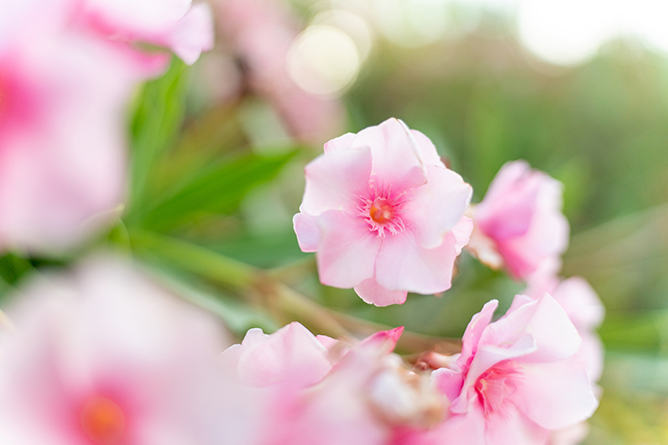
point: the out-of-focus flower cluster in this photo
(105, 355)
(67, 69)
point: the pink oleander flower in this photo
(519, 224)
(260, 33)
(105, 356)
(582, 306)
(319, 390)
(517, 380)
(62, 124)
(384, 214)
(179, 25)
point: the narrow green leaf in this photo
(157, 120)
(214, 190)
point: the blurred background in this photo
(579, 88)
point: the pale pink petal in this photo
(403, 263)
(343, 142)
(555, 395)
(513, 428)
(474, 331)
(272, 359)
(545, 321)
(507, 212)
(192, 34)
(396, 162)
(348, 250)
(462, 232)
(373, 293)
(308, 231)
(436, 207)
(427, 149)
(336, 180)
(580, 302)
(449, 382)
(591, 355)
(571, 435)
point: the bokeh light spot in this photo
(323, 60)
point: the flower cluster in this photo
(106, 356)
(67, 69)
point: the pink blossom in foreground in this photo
(516, 380)
(384, 214)
(104, 356)
(260, 33)
(179, 25)
(519, 224)
(322, 391)
(62, 100)
(583, 308)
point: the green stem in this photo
(268, 292)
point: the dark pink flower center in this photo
(495, 386)
(103, 421)
(382, 212)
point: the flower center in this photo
(496, 385)
(382, 214)
(381, 211)
(103, 421)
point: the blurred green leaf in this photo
(213, 190)
(157, 121)
(13, 268)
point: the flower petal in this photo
(404, 264)
(335, 180)
(434, 208)
(545, 321)
(513, 428)
(274, 358)
(308, 231)
(555, 395)
(396, 159)
(348, 250)
(373, 293)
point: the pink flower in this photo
(517, 379)
(582, 306)
(62, 101)
(179, 25)
(384, 214)
(105, 356)
(260, 33)
(519, 223)
(319, 390)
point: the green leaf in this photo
(158, 118)
(214, 190)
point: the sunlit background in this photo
(579, 88)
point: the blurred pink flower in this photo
(104, 356)
(519, 223)
(517, 379)
(323, 391)
(582, 306)
(260, 33)
(62, 100)
(179, 25)
(384, 214)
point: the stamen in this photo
(103, 421)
